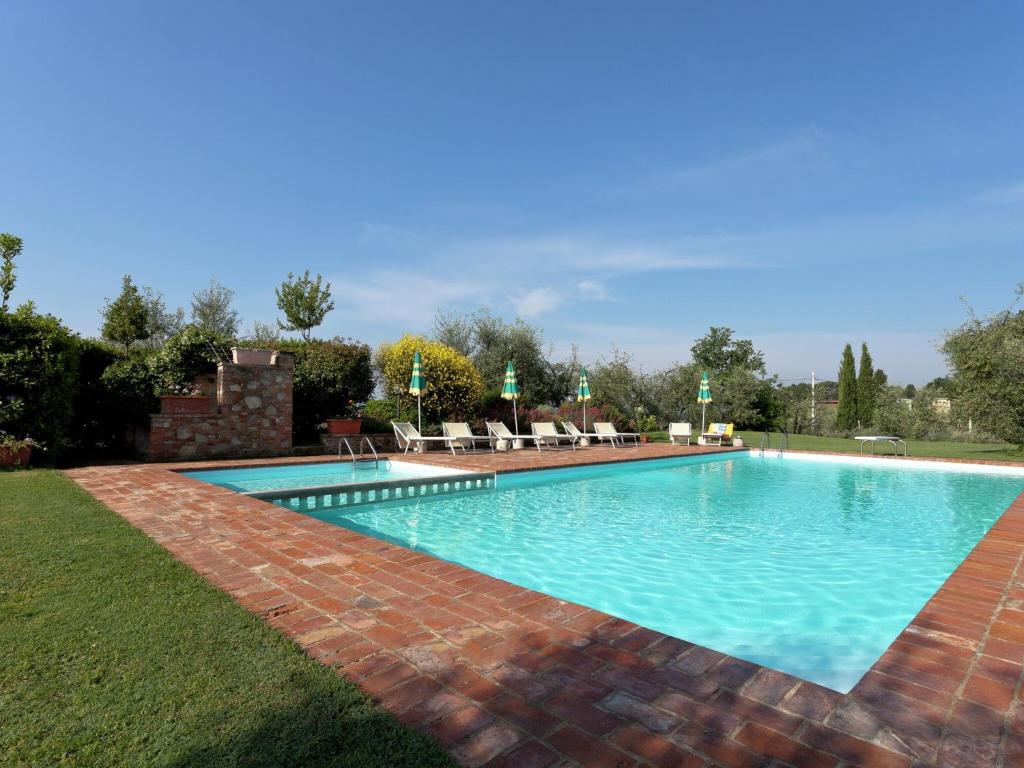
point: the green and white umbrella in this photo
(583, 394)
(416, 387)
(703, 397)
(510, 391)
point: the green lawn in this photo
(940, 449)
(114, 654)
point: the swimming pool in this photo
(282, 476)
(811, 567)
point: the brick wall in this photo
(253, 417)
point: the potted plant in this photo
(644, 423)
(249, 356)
(183, 399)
(15, 452)
(346, 423)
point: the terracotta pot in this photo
(244, 356)
(10, 457)
(344, 426)
(184, 404)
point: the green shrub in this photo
(95, 415)
(38, 369)
(331, 379)
(377, 415)
(453, 384)
(187, 354)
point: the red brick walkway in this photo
(509, 677)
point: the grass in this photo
(938, 448)
(113, 653)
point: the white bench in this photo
(893, 440)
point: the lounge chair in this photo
(407, 435)
(546, 433)
(574, 431)
(678, 430)
(606, 431)
(459, 434)
(717, 434)
(498, 431)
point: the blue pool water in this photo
(810, 568)
(279, 477)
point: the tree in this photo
(617, 383)
(10, 249)
(881, 379)
(987, 359)
(305, 303)
(490, 342)
(162, 322)
(126, 318)
(262, 335)
(331, 377)
(846, 413)
(453, 384)
(909, 391)
(212, 311)
(866, 389)
(717, 352)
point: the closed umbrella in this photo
(703, 397)
(416, 387)
(583, 394)
(510, 391)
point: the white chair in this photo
(406, 434)
(546, 433)
(498, 431)
(572, 429)
(606, 431)
(679, 430)
(459, 434)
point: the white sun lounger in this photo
(572, 429)
(546, 433)
(606, 431)
(679, 430)
(407, 435)
(459, 434)
(498, 431)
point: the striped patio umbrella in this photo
(510, 391)
(416, 387)
(703, 397)
(583, 394)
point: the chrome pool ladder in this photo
(766, 442)
(356, 458)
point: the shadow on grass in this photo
(320, 730)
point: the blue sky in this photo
(619, 174)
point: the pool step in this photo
(355, 494)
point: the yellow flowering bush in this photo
(453, 385)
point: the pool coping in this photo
(506, 676)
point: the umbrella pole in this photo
(515, 415)
(419, 414)
(584, 417)
(703, 408)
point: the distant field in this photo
(938, 448)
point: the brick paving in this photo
(507, 677)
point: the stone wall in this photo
(253, 417)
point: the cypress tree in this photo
(846, 413)
(866, 387)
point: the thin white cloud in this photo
(593, 290)
(598, 254)
(806, 147)
(537, 301)
(406, 299)
(1010, 195)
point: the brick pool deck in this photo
(508, 677)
